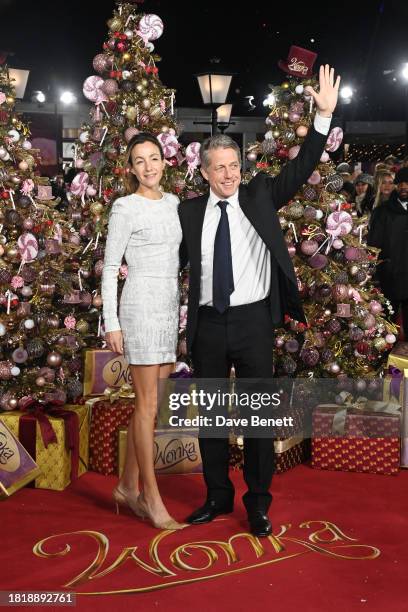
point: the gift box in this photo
(174, 452)
(57, 438)
(288, 453)
(363, 439)
(17, 467)
(108, 416)
(102, 369)
(395, 388)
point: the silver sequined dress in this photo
(148, 234)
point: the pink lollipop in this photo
(150, 27)
(169, 143)
(79, 184)
(193, 157)
(334, 139)
(92, 89)
(339, 223)
(28, 247)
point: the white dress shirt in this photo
(251, 263)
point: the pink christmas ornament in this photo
(339, 223)
(2, 97)
(334, 139)
(90, 191)
(110, 87)
(130, 132)
(17, 282)
(375, 307)
(169, 143)
(92, 89)
(70, 322)
(150, 27)
(27, 186)
(79, 184)
(314, 178)
(28, 247)
(390, 338)
(324, 157)
(99, 62)
(293, 152)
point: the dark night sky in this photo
(57, 41)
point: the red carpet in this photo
(357, 562)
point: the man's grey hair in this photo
(219, 141)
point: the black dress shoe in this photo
(207, 513)
(259, 523)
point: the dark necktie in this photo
(223, 278)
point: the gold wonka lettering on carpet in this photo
(203, 556)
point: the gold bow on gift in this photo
(113, 393)
(361, 403)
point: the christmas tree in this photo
(38, 346)
(128, 97)
(347, 331)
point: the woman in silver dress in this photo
(145, 229)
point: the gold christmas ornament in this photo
(96, 208)
(131, 113)
(139, 87)
(146, 103)
(126, 57)
(82, 326)
(285, 85)
(145, 82)
(115, 24)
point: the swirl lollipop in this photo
(339, 223)
(28, 247)
(169, 143)
(92, 89)
(150, 27)
(334, 139)
(192, 157)
(79, 184)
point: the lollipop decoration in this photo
(150, 28)
(79, 184)
(92, 89)
(339, 223)
(334, 139)
(169, 144)
(192, 158)
(28, 247)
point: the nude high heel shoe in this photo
(143, 511)
(121, 499)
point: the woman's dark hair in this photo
(131, 181)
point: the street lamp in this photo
(223, 117)
(214, 87)
(19, 80)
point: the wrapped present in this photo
(102, 369)
(363, 437)
(109, 414)
(174, 452)
(288, 453)
(395, 388)
(17, 468)
(56, 437)
(399, 356)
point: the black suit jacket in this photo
(259, 201)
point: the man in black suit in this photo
(242, 283)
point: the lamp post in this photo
(214, 87)
(223, 117)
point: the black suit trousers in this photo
(242, 336)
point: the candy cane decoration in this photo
(87, 246)
(105, 131)
(79, 279)
(8, 294)
(11, 191)
(96, 241)
(99, 325)
(292, 226)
